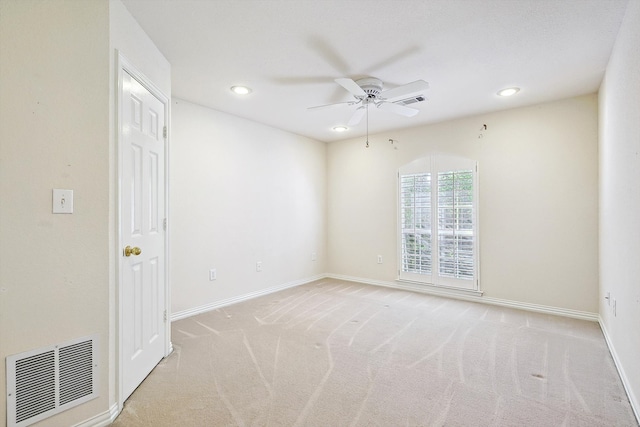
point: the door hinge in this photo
(164, 316)
(164, 132)
(164, 224)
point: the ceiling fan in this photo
(368, 91)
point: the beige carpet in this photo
(335, 353)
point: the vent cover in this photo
(44, 382)
(411, 100)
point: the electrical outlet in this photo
(313, 256)
(379, 259)
(259, 266)
(212, 274)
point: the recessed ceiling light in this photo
(240, 90)
(509, 91)
(340, 128)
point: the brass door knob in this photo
(128, 251)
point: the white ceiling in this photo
(290, 51)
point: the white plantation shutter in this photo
(437, 222)
(415, 214)
(455, 224)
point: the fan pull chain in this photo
(367, 125)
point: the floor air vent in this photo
(44, 382)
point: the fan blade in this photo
(329, 53)
(351, 86)
(331, 105)
(392, 59)
(309, 80)
(398, 109)
(357, 116)
(404, 90)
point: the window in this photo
(437, 222)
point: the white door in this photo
(142, 207)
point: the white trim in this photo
(462, 294)
(124, 65)
(467, 295)
(439, 289)
(546, 309)
(635, 404)
(101, 420)
(234, 300)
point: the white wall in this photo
(54, 133)
(620, 201)
(129, 38)
(241, 192)
(538, 200)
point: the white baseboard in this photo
(223, 303)
(443, 292)
(633, 400)
(473, 296)
(101, 420)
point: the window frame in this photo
(434, 165)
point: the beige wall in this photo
(57, 272)
(241, 192)
(538, 172)
(54, 133)
(620, 201)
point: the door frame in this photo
(124, 65)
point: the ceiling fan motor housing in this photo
(371, 86)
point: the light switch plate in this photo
(62, 201)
